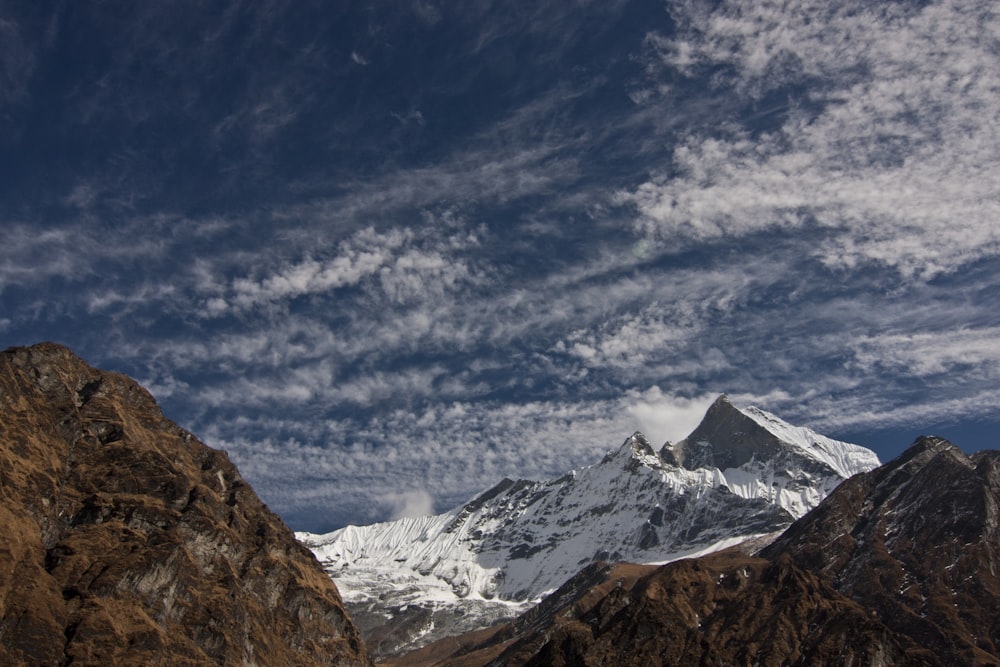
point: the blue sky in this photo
(387, 254)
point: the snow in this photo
(707, 549)
(844, 458)
(503, 554)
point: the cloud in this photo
(411, 116)
(926, 354)
(888, 145)
(449, 447)
(408, 504)
(405, 264)
(663, 417)
(793, 205)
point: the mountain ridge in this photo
(896, 566)
(510, 545)
(129, 542)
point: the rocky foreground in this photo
(128, 542)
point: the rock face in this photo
(726, 608)
(896, 566)
(410, 581)
(918, 542)
(128, 542)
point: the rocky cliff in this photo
(916, 541)
(128, 542)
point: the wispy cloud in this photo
(362, 256)
(888, 139)
(949, 356)
(449, 447)
(581, 222)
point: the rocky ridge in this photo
(129, 542)
(896, 566)
(410, 581)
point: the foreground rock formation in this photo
(896, 566)
(128, 542)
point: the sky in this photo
(388, 253)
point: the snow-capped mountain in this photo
(742, 473)
(895, 567)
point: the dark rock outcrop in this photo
(725, 438)
(128, 542)
(917, 542)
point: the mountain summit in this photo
(730, 437)
(508, 547)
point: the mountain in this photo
(918, 542)
(742, 474)
(896, 566)
(129, 542)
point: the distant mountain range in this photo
(741, 474)
(898, 566)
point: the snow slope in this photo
(514, 543)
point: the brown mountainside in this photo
(129, 542)
(916, 541)
(896, 566)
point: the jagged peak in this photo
(725, 438)
(639, 443)
(931, 443)
(635, 448)
(924, 450)
(729, 436)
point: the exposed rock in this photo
(129, 542)
(916, 541)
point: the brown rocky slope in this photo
(896, 567)
(128, 542)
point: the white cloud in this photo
(457, 449)
(634, 341)
(361, 256)
(963, 352)
(898, 165)
(407, 264)
(408, 504)
(373, 337)
(664, 417)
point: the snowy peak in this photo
(741, 474)
(634, 453)
(730, 437)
